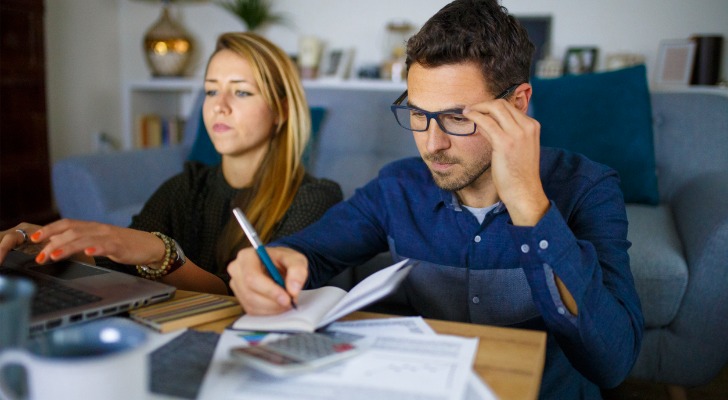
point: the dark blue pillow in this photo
(607, 117)
(204, 152)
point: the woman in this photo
(259, 121)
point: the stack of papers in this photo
(406, 360)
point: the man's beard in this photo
(451, 182)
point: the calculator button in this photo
(308, 347)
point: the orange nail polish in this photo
(56, 253)
(40, 258)
(35, 237)
(90, 251)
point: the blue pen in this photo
(258, 246)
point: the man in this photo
(506, 233)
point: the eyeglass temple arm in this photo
(401, 97)
(508, 91)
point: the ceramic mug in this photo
(103, 359)
(16, 296)
(15, 300)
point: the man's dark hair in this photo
(479, 31)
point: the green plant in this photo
(255, 13)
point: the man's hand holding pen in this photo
(256, 279)
(257, 292)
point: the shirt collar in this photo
(449, 200)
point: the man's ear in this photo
(522, 96)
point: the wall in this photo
(95, 46)
(82, 73)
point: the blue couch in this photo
(679, 255)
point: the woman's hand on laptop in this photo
(66, 238)
(17, 237)
(255, 289)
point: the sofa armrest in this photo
(700, 210)
(111, 187)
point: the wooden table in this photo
(509, 360)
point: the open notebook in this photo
(319, 307)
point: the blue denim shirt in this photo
(497, 273)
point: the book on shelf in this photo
(319, 307)
(153, 130)
(185, 311)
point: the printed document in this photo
(476, 390)
(396, 366)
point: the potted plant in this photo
(254, 13)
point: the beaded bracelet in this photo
(148, 272)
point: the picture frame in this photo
(580, 60)
(616, 61)
(539, 32)
(675, 60)
(336, 64)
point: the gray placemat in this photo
(178, 368)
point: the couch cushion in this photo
(122, 216)
(89, 186)
(658, 263)
(607, 117)
(359, 136)
(691, 141)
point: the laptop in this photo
(69, 292)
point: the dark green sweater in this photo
(194, 207)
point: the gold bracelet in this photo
(148, 272)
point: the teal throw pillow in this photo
(605, 116)
(202, 149)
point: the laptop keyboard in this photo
(51, 296)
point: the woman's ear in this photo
(283, 116)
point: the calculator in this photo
(299, 352)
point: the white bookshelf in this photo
(163, 96)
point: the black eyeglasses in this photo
(452, 122)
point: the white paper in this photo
(384, 326)
(476, 390)
(412, 366)
(369, 290)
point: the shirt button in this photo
(476, 300)
(561, 310)
(524, 248)
(543, 244)
(477, 239)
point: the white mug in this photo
(16, 296)
(103, 359)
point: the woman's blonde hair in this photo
(280, 174)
